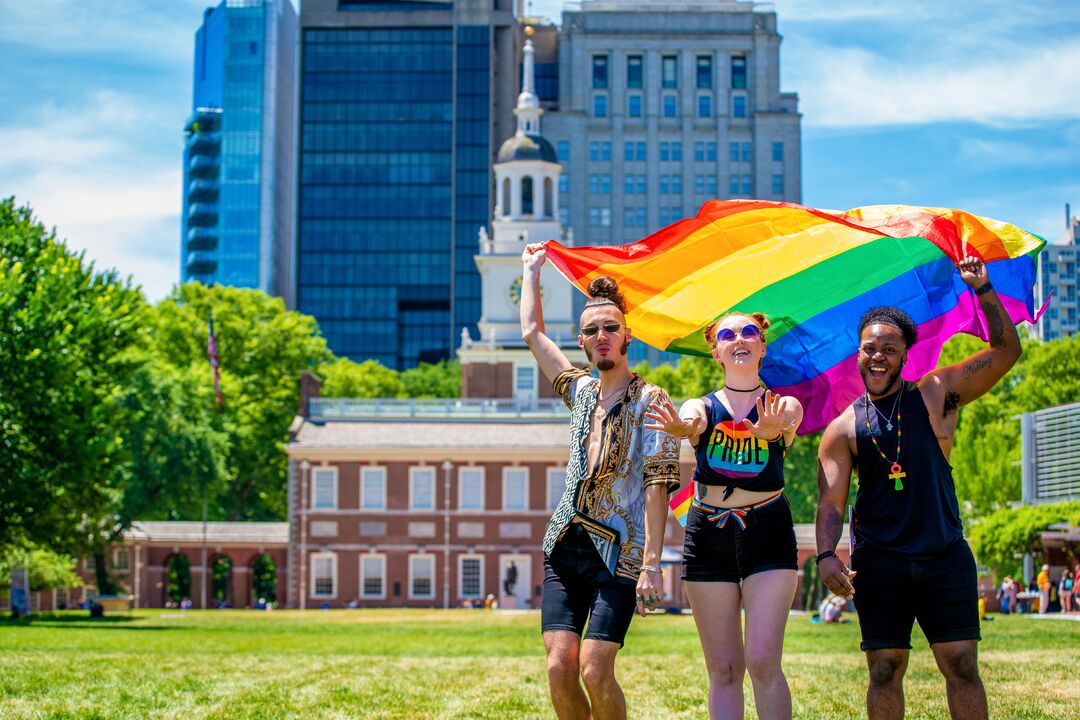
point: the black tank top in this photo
(921, 519)
(727, 454)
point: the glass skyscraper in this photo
(398, 106)
(237, 218)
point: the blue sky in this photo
(974, 105)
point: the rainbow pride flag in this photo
(813, 273)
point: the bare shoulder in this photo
(940, 400)
(695, 406)
(839, 436)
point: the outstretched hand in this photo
(770, 412)
(668, 420)
(973, 271)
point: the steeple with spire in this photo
(527, 174)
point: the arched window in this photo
(527, 195)
(549, 209)
(506, 196)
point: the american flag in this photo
(212, 353)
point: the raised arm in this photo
(834, 482)
(689, 422)
(549, 357)
(967, 380)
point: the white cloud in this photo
(847, 87)
(103, 189)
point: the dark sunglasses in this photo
(749, 332)
(610, 328)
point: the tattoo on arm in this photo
(952, 401)
(972, 368)
(996, 325)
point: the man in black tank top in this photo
(910, 561)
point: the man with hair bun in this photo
(910, 560)
(602, 547)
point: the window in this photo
(605, 151)
(733, 152)
(676, 184)
(594, 151)
(639, 216)
(564, 184)
(778, 152)
(422, 488)
(90, 564)
(663, 152)
(421, 576)
(564, 150)
(470, 576)
(699, 151)
(738, 106)
(641, 147)
(324, 488)
(733, 185)
(778, 184)
(556, 486)
(594, 184)
(704, 72)
(670, 107)
(599, 71)
(525, 381)
(564, 216)
(373, 577)
(471, 488)
(669, 71)
(747, 185)
(600, 105)
(516, 485)
(738, 72)
(710, 185)
(373, 488)
(676, 152)
(628, 184)
(663, 184)
(605, 217)
(633, 106)
(122, 559)
(746, 151)
(633, 71)
(699, 184)
(628, 151)
(704, 106)
(710, 151)
(323, 575)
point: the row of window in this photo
(704, 151)
(669, 71)
(669, 105)
(373, 582)
(422, 479)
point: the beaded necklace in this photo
(896, 472)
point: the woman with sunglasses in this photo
(739, 550)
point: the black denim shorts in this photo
(579, 590)
(725, 551)
(891, 593)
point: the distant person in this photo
(831, 609)
(1065, 590)
(1007, 595)
(1042, 582)
(911, 561)
(511, 579)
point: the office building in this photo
(238, 159)
(1057, 281)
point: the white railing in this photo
(388, 408)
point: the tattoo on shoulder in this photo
(995, 324)
(974, 368)
(952, 402)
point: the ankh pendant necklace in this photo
(896, 472)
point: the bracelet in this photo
(984, 288)
(652, 569)
(779, 436)
(822, 555)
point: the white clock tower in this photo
(498, 364)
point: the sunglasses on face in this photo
(749, 332)
(610, 328)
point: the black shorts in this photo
(730, 553)
(940, 592)
(579, 589)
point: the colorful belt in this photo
(721, 515)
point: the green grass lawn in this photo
(460, 664)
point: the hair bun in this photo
(761, 320)
(607, 289)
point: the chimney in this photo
(310, 384)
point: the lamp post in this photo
(447, 466)
(302, 514)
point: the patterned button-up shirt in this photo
(609, 501)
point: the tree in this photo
(64, 329)
(1001, 536)
(47, 569)
(441, 380)
(262, 350)
(344, 378)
